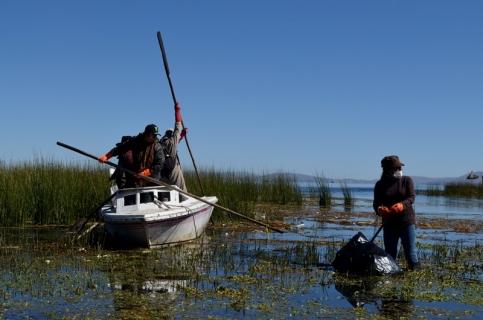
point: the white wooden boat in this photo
(155, 216)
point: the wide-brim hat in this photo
(391, 162)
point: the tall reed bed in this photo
(280, 188)
(457, 189)
(48, 192)
(241, 191)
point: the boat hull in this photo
(160, 232)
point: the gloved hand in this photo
(177, 113)
(397, 208)
(383, 211)
(183, 133)
(145, 172)
(105, 158)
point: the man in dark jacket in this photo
(147, 156)
(393, 200)
(125, 160)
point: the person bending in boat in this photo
(171, 172)
(393, 200)
(147, 156)
(125, 160)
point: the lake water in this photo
(425, 206)
(248, 274)
(226, 275)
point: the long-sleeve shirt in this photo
(389, 191)
(145, 156)
(170, 146)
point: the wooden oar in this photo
(80, 224)
(166, 68)
(161, 183)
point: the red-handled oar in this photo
(166, 68)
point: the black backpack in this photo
(168, 165)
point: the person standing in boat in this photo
(171, 172)
(147, 156)
(393, 200)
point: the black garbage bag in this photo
(361, 256)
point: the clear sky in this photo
(300, 86)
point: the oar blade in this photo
(77, 226)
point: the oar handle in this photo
(171, 88)
(168, 186)
(377, 232)
(166, 66)
(99, 207)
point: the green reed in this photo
(280, 188)
(48, 192)
(347, 193)
(322, 191)
(241, 191)
(457, 189)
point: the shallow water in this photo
(425, 206)
(230, 274)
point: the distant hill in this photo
(417, 179)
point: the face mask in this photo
(398, 174)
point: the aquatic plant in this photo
(456, 189)
(241, 191)
(347, 193)
(279, 188)
(44, 191)
(322, 191)
(47, 192)
(227, 276)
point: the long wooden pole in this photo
(166, 68)
(161, 183)
(80, 224)
(377, 232)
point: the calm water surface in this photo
(426, 206)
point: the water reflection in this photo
(225, 274)
(365, 293)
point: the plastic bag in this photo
(360, 256)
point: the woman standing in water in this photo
(393, 200)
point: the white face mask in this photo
(398, 174)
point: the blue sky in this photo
(301, 86)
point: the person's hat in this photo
(151, 128)
(391, 162)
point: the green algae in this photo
(222, 277)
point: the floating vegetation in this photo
(228, 277)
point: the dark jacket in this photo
(144, 156)
(389, 191)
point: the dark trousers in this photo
(407, 234)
